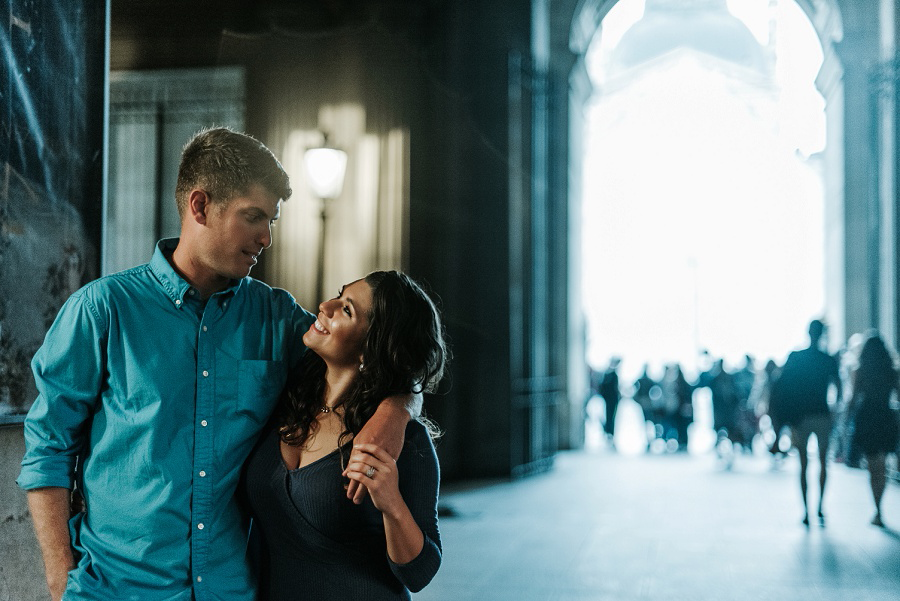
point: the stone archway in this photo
(858, 81)
(860, 161)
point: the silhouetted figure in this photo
(875, 426)
(746, 424)
(724, 405)
(679, 394)
(594, 377)
(801, 398)
(645, 391)
(845, 451)
(760, 404)
(609, 390)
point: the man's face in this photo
(238, 233)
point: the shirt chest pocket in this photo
(248, 387)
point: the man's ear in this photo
(198, 205)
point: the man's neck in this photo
(189, 269)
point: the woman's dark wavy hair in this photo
(877, 370)
(404, 352)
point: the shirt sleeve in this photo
(68, 371)
(301, 319)
(419, 483)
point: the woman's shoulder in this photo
(416, 430)
(418, 436)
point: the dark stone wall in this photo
(438, 68)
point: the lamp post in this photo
(325, 169)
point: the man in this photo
(155, 383)
(800, 398)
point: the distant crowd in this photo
(849, 401)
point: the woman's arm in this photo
(409, 508)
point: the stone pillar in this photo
(831, 85)
(858, 52)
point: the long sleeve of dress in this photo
(419, 484)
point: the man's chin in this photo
(239, 274)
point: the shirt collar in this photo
(173, 284)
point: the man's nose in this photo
(266, 238)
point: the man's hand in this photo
(386, 429)
(50, 508)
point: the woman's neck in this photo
(337, 382)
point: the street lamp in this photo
(325, 169)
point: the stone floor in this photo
(608, 526)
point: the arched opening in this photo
(704, 206)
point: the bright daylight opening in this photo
(703, 196)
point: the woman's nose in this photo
(327, 306)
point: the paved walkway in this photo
(666, 527)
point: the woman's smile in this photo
(320, 328)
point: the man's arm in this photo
(68, 370)
(50, 513)
(387, 429)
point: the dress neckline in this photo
(293, 470)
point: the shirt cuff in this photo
(47, 472)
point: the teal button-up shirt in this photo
(160, 396)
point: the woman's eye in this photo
(347, 311)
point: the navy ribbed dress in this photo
(319, 545)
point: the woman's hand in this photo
(373, 467)
(387, 429)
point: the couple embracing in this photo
(182, 397)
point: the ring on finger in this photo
(370, 472)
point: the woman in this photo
(875, 429)
(380, 337)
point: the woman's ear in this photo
(198, 205)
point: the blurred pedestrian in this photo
(609, 390)
(746, 425)
(801, 397)
(760, 404)
(645, 390)
(724, 406)
(679, 394)
(875, 422)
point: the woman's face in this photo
(340, 328)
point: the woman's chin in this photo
(309, 340)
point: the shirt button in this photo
(205, 373)
(178, 302)
(191, 292)
(199, 526)
(203, 473)
(204, 328)
(199, 578)
(203, 423)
